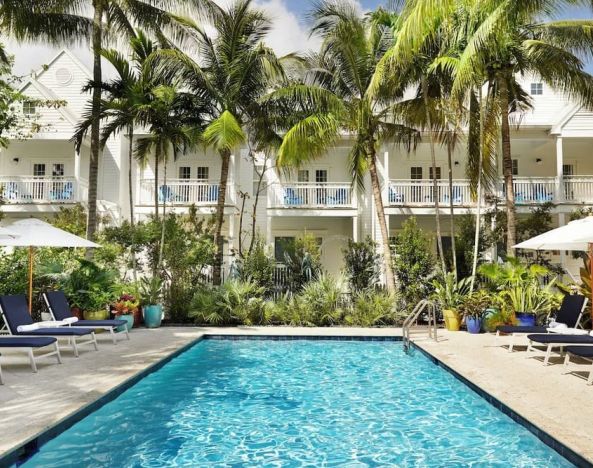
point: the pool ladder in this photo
(423, 306)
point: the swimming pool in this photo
(297, 403)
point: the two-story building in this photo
(552, 162)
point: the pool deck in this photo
(557, 403)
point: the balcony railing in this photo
(181, 192)
(528, 191)
(312, 195)
(39, 190)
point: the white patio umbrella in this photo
(576, 235)
(7, 233)
(33, 233)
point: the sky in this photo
(289, 34)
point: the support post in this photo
(77, 175)
(559, 170)
(355, 228)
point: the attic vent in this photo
(63, 76)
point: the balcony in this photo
(182, 192)
(528, 191)
(312, 195)
(20, 190)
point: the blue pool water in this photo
(297, 403)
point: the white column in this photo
(559, 172)
(231, 233)
(77, 175)
(355, 228)
(269, 239)
(232, 188)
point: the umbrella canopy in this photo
(576, 235)
(7, 233)
(33, 232)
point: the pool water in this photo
(297, 403)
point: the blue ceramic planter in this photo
(153, 315)
(525, 319)
(129, 318)
(474, 325)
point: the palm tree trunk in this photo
(478, 210)
(507, 165)
(156, 185)
(97, 40)
(164, 220)
(451, 211)
(225, 155)
(390, 278)
(130, 182)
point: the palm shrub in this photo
(362, 264)
(258, 267)
(319, 303)
(303, 260)
(372, 308)
(450, 293)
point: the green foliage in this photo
(450, 293)
(465, 229)
(258, 267)
(373, 308)
(303, 260)
(71, 220)
(151, 290)
(320, 301)
(363, 264)
(473, 305)
(414, 263)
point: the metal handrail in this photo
(413, 318)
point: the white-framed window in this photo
(515, 167)
(303, 175)
(438, 173)
(203, 173)
(416, 172)
(38, 170)
(185, 172)
(29, 108)
(537, 89)
(568, 170)
(57, 170)
(321, 176)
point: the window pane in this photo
(321, 176)
(29, 108)
(185, 172)
(537, 89)
(38, 170)
(438, 172)
(58, 170)
(303, 175)
(416, 173)
(515, 169)
(202, 173)
(567, 169)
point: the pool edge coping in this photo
(25, 450)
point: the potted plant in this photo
(125, 308)
(151, 291)
(449, 294)
(472, 308)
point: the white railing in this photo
(530, 190)
(312, 195)
(578, 189)
(181, 192)
(28, 190)
(421, 193)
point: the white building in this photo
(552, 152)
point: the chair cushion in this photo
(58, 304)
(26, 342)
(99, 323)
(516, 329)
(59, 331)
(558, 338)
(583, 351)
(16, 311)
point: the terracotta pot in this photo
(77, 313)
(137, 317)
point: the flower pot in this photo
(77, 313)
(474, 324)
(525, 319)
(153, 314)
(96, 314)
(129, 318)
(137, 316)
(452, 322)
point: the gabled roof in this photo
(564, 119)
(51, 96)
(71, 56)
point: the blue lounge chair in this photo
(166, 195)
(29, 344)
(557, 340)
(15, 313)
(291, 198)
(584, 352)
(63, 195)
(570, 313)
(58, 307)
(395, 197)
(213, 193)
(340, 197)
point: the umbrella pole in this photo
(31, 280)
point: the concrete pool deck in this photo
(32, 403)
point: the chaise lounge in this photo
(558, 340)
(58, 307)
(15, 313)
(585, 352)
(29, 344)
(570, 313)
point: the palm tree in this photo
(234, 71)
(333, 97)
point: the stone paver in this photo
(552, 397)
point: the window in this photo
(567, 170)
(203, 173)
(57, 170)
(515, 167)
(537, 89)
(303, 175)
(321, 176)
(29, 108)
(415, 173)
(185, 172)
(438, 172)
(38, 170)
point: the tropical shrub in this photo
(320, 301)
(303, 260)
(372, 308)
(362, 264)
(258, 267)
(473, 305)
(450, 293)
(414, 263)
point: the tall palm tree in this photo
(333, 97)
(235, 69)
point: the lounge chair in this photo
(291, 198)
(584, 352)
(58, 307)
(558, 340)
(29, 344)
(63, 193)
(15, 313)
(340, 197)
(570, 313)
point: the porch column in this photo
(559, 171)
(231, 234)
(77, 174)
(355, 228)
(232, 189)
(269, 239)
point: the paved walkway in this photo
(560, 404)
